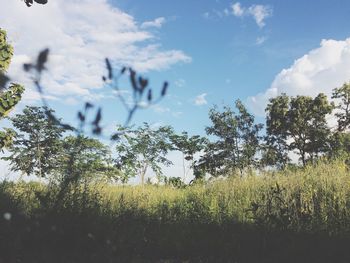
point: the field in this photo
(300, 215)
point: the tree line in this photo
(296, 125)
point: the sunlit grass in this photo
(302, 213)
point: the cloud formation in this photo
(258, 12)
(320, 70)
(158, 23)
(201, 100)
(79, 38)
(260, 40)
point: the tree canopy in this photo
(237, 140)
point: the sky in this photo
(211, 52)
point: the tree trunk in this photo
(143, 173)
(183, 165)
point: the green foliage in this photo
(297, 123)
(343, 113)
(189, 146)
(275, 149)
(143, 148)
(6, 52)
(9, 96)
(289, 216)
(6, 138)
(339, 145)
(36, 147)
(92, 159)
(237, 144)
(12, 95)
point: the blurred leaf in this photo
(42, 2)
(143, 83)
(133, 80)
(149, 96)
(27, 67)
(88, 105)
(109, 68)
(3, 81)
(42, 59)
(165, 88)
(81, 116)
(98, 117)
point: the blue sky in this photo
(210, 51)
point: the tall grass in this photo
(300, 215)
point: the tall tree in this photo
(275, 149)
(9, 95)
(299, 124)
(37, 146)
(92, 159)
(188, 146)
(237, 141)
(342, 94)
(143, 148)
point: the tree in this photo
(189, 146)
(275, 150)
(298, 123)
(237, 144)
(92, 159)
(343, 113)
(36, 146)
(9, 95)
(143, 148)
(339, 145)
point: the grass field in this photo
(290, 216)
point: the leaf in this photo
(88, 105)
(97, 130)
(42, 59)
(81, 116)
(132, 79)
(27, 67)
(98, 117)
(165, 88)
(109, 68)
(143, 83)
(42, 2)
(149, 96)
(28, 2)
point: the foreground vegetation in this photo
(290, 216)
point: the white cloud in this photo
(237, 9)
(80, 33)
(200, 100)
(158, 22)
(258, 12)
(320, 70)
(260, 40)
